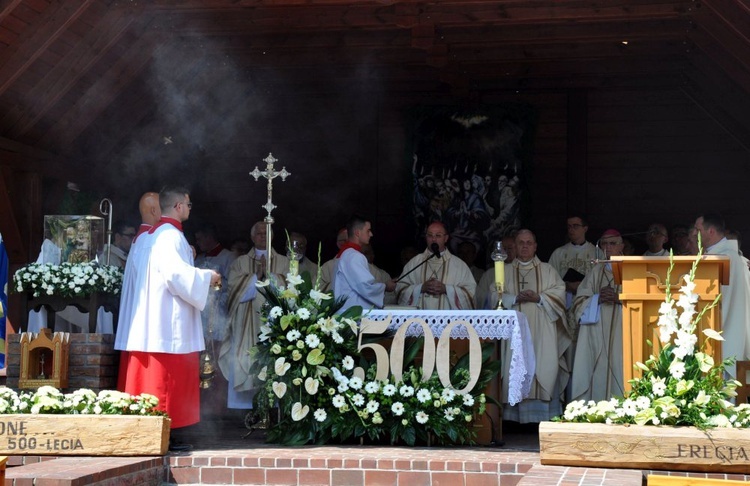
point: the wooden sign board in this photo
(83, 435)
(645, 447)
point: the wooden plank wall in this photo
(649, 155)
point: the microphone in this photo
(435, 250)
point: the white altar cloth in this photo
(489, 324)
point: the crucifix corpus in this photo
(270, 174)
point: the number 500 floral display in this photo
(308, 365)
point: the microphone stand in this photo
(434, 255)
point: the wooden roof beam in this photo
(64, 75)
(37, 38)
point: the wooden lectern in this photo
(643, 281)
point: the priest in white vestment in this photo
(598, 373)
(535, 289)
(161, 327)
(443, 282)
(574, 259)
(245, 304)
(328, 269)
(353, 280)
(735, 297)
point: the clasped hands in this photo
(433, 287)
(260, 268)
(528, 296)
(608, 295)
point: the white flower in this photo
(263, 373)
(713, 334)
(406, 391)
(338, 401)
(389, 390)
(276, 312)
(422, 417)
(343, 387)
(468, 400)
(448, 415)
(372, 406)
(358, 400)
(281, 366)
(348, 363)
(677, 369)
(265, 333)
(312, 340)
(294, 280)
(303, 313)
(372, 387)
(658, 386)
(448, 395)
(318, 297)
(320, 415)
(293, 335)
(355, 383)
(702, 399)
(397, 409)
(424, 395)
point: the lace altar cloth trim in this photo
(493, 324)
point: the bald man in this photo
(444, 282)
(150, 212)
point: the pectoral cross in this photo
(269, 174)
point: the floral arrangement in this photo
(50, 400)
(308, 365)
(68, 279)
(682, 386)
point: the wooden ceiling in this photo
(71, 72)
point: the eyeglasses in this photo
(189, 204)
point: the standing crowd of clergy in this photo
(174, 304)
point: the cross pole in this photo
(270, 174)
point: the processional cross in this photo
(270, 174)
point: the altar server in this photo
(161, 328)
(353, 279)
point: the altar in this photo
(488, 324)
